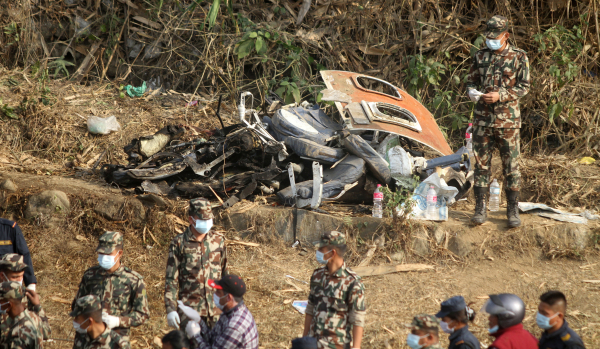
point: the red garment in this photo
(514, 337)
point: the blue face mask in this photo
(493, 329)
(203, 225)
(543, 321)
(320, 257)
(494, 44)
(412, 340)
(106, 261)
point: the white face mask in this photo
(78, 328)
(446, 328)
(494, 44)
(106, 261)
(203, 225)
(8, 280)
(216, 300)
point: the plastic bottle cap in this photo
(431, 187)
(470, 124)
(378, 185)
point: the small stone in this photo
(120, 209)
(9, 185)
(421, 244)
(152, 200)
(459, 246)
(397, 257)
(439, 235)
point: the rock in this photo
(421, 243)
(152, 200)
(459, 246)
(565, 236)
(121, 209)
(47, 204)
(397, 257)
(439, 235)
(8, 185)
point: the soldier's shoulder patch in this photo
(12, 224)
(459, 343)
(566, 337)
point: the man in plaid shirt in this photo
(236, 327)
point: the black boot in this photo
(481, 194)
(512, 208)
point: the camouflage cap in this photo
(424, 321)
(12, 262)
(109, 241)
(86, 305)
(332, 238)
(201, 208)
(12, 290)
(496, 26)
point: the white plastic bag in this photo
(103, 126)
(189, 312)
(445, 194)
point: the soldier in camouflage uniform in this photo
(196, 256)
(87, 321)
(335, 313)
(122, 291)
(499, 76)
(12, 268)
(22, 328)
(424, 333)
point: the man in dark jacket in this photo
(551, 318)
(12, 241)
(505, 319)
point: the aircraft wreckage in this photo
(379, 135)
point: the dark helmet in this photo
(509, 309)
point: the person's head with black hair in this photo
(175, 340)
(424, 331)
(551, 311)
(454, 314)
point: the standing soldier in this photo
(335, 313)
(121, 290)
(12, 241)
(195, 256)
(12, 268)
(501, 72)
(22, 328)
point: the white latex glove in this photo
(474, 95)
(173, 319)
(189, 312)
(111, 321)
(192, 329)
(31, 287)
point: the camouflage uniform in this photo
(15, 263)
(425, 322)
(122, 292)
(191, 264)
(108, 339)
(25, 330)
(336, 302)
(498, 124)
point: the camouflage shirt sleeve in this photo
(473, 78)
(520, 73)
(171, 278)
(24, 337)
(140, 311)
(46, 331)
(310, 306)
(81, 291)
(358, 310)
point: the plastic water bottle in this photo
(495, 196)
(431, 212)
(469, 138)
(378, 202)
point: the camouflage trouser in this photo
(485, 140)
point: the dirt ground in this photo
(36, 149)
